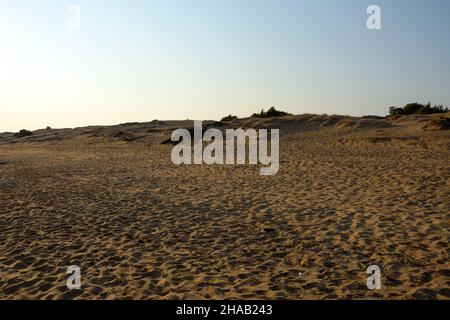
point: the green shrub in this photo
(417, 108)
(23, 133)
(271, 113)
(228, 118)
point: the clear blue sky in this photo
(203, 59)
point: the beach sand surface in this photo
(350, 193)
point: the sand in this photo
(350, 193)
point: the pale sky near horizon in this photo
(141, 60)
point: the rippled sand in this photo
(348, 195)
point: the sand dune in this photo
(350, 192)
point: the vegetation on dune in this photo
(23, 133)
(228, 118)
(417, 108)
(271, 113)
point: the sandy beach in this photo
(350, 193)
